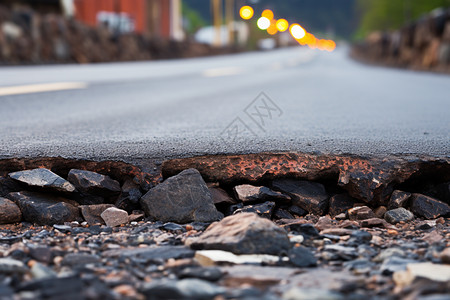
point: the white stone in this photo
(114, 217)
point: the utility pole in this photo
(217, 21)
(229, 17)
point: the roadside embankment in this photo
(422, 45)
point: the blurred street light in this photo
(297, 31)
(246, 12)
(263, 23)
(282, 25)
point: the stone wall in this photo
(27, 37)
(422, 45)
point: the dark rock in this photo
(8, 185)
(310, 196)
(9, 212)
(251, 193)
(360, 213)
(95, 184)
(264, 210)
(69, 287)
(79, 259)
(306, 230)
(182, 198)
(42, 254)
(209, 274)
(232, 208)
(129, 198)
(442, 190)
(43, 178)
(219, 196)
(244, 233)
(298, 211)
(397, 215)
(302, 257)
(340, 204)
(428, 207)
(282, 214)
(91, 213)
(182, 289)
(45, 209)
(114, 217)
(360, 237)
(398, 199)
(152, 254)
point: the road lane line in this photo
(40, 88)
(228, 71)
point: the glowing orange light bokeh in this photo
(267, 14)
(272, 30)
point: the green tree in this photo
(193, 21)
(392, 14)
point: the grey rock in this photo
(39, 271)
(308, 195)
(251, 193)
(264, 210)
(298, 293)
(397, 215)
(79, 259)
(43, 178)
(91, 213)
(93, 183)
(244, 233)
(114, 217)
(182, 198)
(9, 212)
(41, 253)
(182, 289)
(428, 207)
(45, 209)
(9, 265)
(398, 199)
(6, 292)
(302, 257)
(394, 264)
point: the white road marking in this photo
(40, 88)
(228, 71)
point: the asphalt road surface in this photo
(313, 101)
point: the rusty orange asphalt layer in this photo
(371, 180)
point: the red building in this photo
(158, 18)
